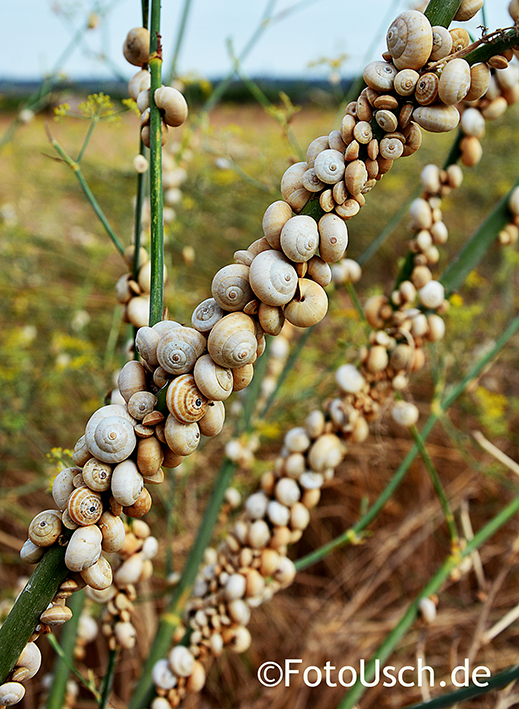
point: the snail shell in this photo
(319, 271)
(127, 483)
(426, 90)
(165, 326)
(430, 178)
(348, 124)
(173, 105)
(146, 341)
(112, 530)
(272, 278)
(214, 381)
(132, 378)
(363, 133)
(149, 456)
(213, 420)
(409, 40)
(326, 452)
(292, 189)
(125, 634)
(406, 80)
(11, 693)
(130, 570)
(230, 287)
(432, 294)
(495, 108)
(310, 305)
(136, 48)
(97, 474)
(99, 575)
(276, 216)
(181, 661)
(437, 118)
(31, 553)
(232, 341)
(349, 379)
(137, 311)
(184, 400)
(179, 349)
(329, 166)
(454, 82)
(391, 148)
(333, 238)
(460, 39)
(242, 376)
(442, 43)
(164, 679)
(404, 413)
(379, 76)
(336, 141)
(112, 440)
(141, 404)
(471, 150)
(56, 615)
(81, 453)
(316, 146)
(420, 214)
(355, 176)
(299, 238)
(63, 485)
(271, 318)
(182, 438)
(413, 139)
(45, 528)
(139, 82)
(206, 314)
(84, 548)
(479, 81)
(312, 183)
(28, 664)
(386, 120)
(85, 506)
(468, 9)
(287, 492)
(140, 507)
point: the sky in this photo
(36, 33)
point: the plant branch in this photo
(441, 12)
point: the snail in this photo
(333, 234)
(85, 506)
(111, 439)
(329, 166)
(292, 189)
(136, 48)
(182, 438)
(84, 548)
(299, 239)
(150, 457)
(232, 342)
(179, 349)
(172, 105)
(45, 528)
(112, 530)
(442, 43)
(410, 40)
(454, 82)
(309, 306)
(426, 90)
(230, 287)
(437, 118)
(96, 475)
(184, 400)
(126, 483)
(99, 575)
(468, 9)
(214, 381)
(316, 146)
(206, 314)
(276, 216)
(28, 664)
(379, 76)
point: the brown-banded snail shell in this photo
(379, 76)
(299, 238)
(426, 90)
(172, 104)
(136, 48)
(309, 306)
(85, 506)
(454, 82)
(230, 287)
(460, 39)
(84, 548)
(213, 380)
(272, 278)
(97, 474)
(292, 189)
(437, 118)
(329, 166)
(99, 575)
(127, 483)
(213, 420)
(45, 528)
(112, 440)
(409, 40)
(179, 349)
(113, 533)
(184, 400)
(276, 216)
(333, 238)
(182, 438)
(132, 378)
(206, 314)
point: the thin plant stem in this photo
(440, 491)
(91, 127)
(156, 197)
(356, 303)
(67, 662)
(88, 192)
(179, 40)
(108, 679)
(145, 8)
(60, 674)
(141, 193)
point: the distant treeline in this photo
(300, 91)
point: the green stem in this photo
(141, 193)
(497, 45)
(108, 680)
(56, 696)
(171, 618)
(357, 304)
(156, 197)
(91, 127)
(441, 12)
(67, 661)
(145, 12)
(88, 192)
(179, 39)
(39, 591)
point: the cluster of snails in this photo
(133, 293)
(170, 102)
(251, 564)
(510, 233)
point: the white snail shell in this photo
(292, 189)
(314, 423)
(316, 146)
(319, 271)
(84, 548)
(138, 310)
(287, 491)
(125, 634)
(141, 404)
(63, 486)
(406, 80)
(379, 76)
(333, 234)
(410, 40)
(454, 82)
(326, 452)
(271, 317)
(11, 693)
(184, 400)
(212, 422)
(437, 118)
(404, 413)
(112, 530)
(432, 294)
(206, 314)
(85, 506)
(81, 453)
(146, 341)
(230, 287)
(329, 166)
(479, 81)
(232, 341)
(130, 570)
(182, 438)
(172, 103)
(127, 483)
(56, 615)
(179, 349)
(28, 664)
(256, 505)
(349, 379)
(112, 440)
(132, 378)
(31, 553)
(312, 183)
(309, 306)
(442, 43)
(45, 528)
(214, 381)
(99, 575)
(163, 678)
(139, 82)
(276, 216)
(181, 661)
(273, 278)
(299, 238)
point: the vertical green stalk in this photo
(441, 12)
(141, 190)
(156, 204)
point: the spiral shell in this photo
(63, 485)
(276, 216)
(299, 238)
(379, 76)
(206, 314)
(292, 189)
(319, 271)
(179, 349)
(468, 9)
(172, 104)
(242, 376)
(182, 438)
(136, 48)
(45, 528)
(310, 305)
(386, 120)
(405, 81)
(84, 548)
(426, 90)
(230, 287)
(99, 575)
(85, 506)
(31, 553)
(271, 318)
(132, 378)
(11, 693)
(213, 380)
(112, 530)
(329, 166)
(312, 183)
(112, 440)
(146, 341)
(316, 146)
(272, 278)
(326, 452)
(410, 40)
(404, 413)
(391, 148)
(126, 483)
(442, 43)
(181, 661)
(333, 238)
(437, 118)
(454, 82)
(184, 400)
(28, 664)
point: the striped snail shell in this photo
(426, 90)
(232, 341)
(312, 183)
(213, 380)
(299, 238)
(276, 216)
(273, 278)
(85, 506)
(182, 438)
(97, 474)
(230, 287)
(329, 166)
(179, 349)
(410, 40)
(84, 548)
(45, 528)
(112, 440)
(127, 483)
(184, 400)
(386, 120)
(206, 314)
